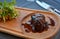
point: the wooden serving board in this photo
(14, 26)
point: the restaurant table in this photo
(32, 5)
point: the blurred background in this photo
(32, 5)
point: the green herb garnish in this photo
(7, 10)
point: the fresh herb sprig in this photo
(7, 10)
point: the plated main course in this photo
(38, 23)
(27, 23)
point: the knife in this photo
(47, 6)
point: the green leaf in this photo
(0, 3)
(5, 3)
(14, 2)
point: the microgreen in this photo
(7, 10)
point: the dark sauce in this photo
(52, 22)
(37, 24)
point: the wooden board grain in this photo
(14, 26)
